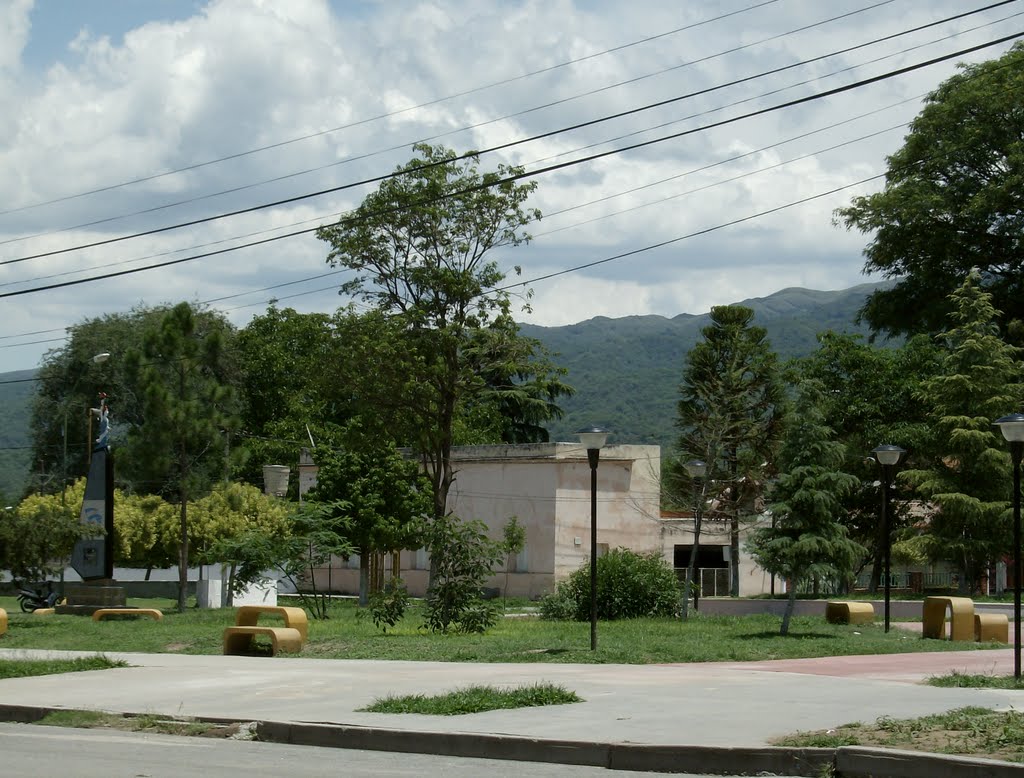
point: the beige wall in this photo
(547, 488)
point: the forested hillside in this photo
(626, 372)
(15, 456)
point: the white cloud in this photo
(111, 104)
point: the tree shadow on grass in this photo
(767, 634)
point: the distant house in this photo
(546, 486)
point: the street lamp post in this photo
(1012, 427)
(696, 469)
(96, 359)
(593, 439)
(888, 457)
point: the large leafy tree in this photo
(869, 396)
(730, 413)
(953, 200)
(178, 449)
(69, 382)
(422, 248)
(376, 494)
(806, 537)
(967, 469)
(37, 536)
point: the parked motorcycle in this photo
(34, 599)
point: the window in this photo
(521, 563)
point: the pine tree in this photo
(967, 468)
(178, 448)
(730, 410)
(806, 537)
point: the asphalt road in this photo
(33, 751)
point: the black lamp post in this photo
(1012, 427)
(593, 439)
(888, 457)
(696, 469)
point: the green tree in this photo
(967, 468)
(377, 495)
(806, 538)
(178, 448)
(421, 249)
(952, 201)
(730, 414)
(228, 511)
(69, 382)
(144, 531)
(870, 396)
(37, 536)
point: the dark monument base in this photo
(84, 599)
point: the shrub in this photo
(388, 606)
(629, 585)
(463, 558)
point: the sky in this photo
(121, 117)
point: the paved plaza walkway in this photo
(731, 705)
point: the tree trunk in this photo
(364, 576)
(183, 554)
(790, 605)
(690, 567)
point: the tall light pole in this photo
(888, 457)
(696, 469)
(1012, 427)
(593, 439)
(96, 359)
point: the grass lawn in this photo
(966, 731)
(475, 699)
(516, 639)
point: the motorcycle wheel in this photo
(26, 606)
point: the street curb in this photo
(845, 761)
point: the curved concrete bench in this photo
(104, 613)
(849, 612)
(248, 616)
(961, 618)
(3, 621)
(991, 627)
(240, 640)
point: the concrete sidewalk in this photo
(726, 705)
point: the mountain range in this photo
(626, 371)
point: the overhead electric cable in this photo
(276, 179)
(695, 234)
(397, 112)
(529, 174)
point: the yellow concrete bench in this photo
(961, 618)
(849, 612)
(240, 640)
(991, 627)
(3, 621)
(103, 613)
(295, 618)
(44, 611)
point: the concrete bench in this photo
(3, 621)
(295, 618)
(105, 613)
(241, 640)
(44, 611)
(849, 612)
(991, 627)
(961, 618)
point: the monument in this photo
(93, 555)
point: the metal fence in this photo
(714, 581)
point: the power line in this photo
(549, 168)
(398, 112)
(276, 179)
(492, 149)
